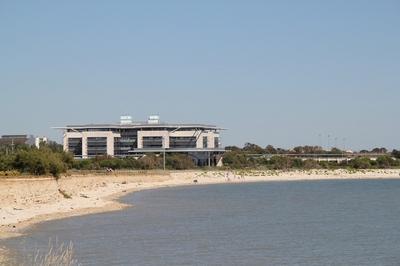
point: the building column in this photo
(166, 141)
(110, 145)
(84, 147)
(65, 142)
(139, 141)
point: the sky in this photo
(285, 73)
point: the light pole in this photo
(164, 159)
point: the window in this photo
(152, 142)
(205, 142)
(182, 142)
(216, 142)
(126, 143)
(75, 146)
(96, 146)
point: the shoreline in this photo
(25, 202)
(103, 191)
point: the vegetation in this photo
(56, 254)
(50, 159)
(47, 160)
(252, 156)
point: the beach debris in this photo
(195, 181)
(17, 209)
(64, 193)
(123, 183)
(84, 196)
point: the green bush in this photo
(179, 162)
(361, 163)
(385, 161)
(280, 162)
(235, 159)
(40, 162)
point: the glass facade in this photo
(96, 146)
(75, 146)
(205, 142)
(182, 142)
(127, 142)
(152, 142)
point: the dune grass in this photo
(56, 254)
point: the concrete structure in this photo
(129, 138)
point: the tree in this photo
(385, 161)
(270, 149)
(336, 151)
(396, 154)
(379, 150)
(232, 148)
(252, 148)
(235, 159)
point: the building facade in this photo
(30, 140)
(128, 138)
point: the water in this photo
(276, 223)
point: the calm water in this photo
(277, 223)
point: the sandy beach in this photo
(27, 201)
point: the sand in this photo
(27, 201)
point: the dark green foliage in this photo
(252, 148)
(361, 163)
(179, 162)
(235, 159)
(147, 162)
(308, 149)
(277, 159)
(396, 154)
(43, 161)
(386, 161)
(232, 148)
(270, 149)
(280, 162)
(6, 162)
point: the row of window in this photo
(122, 146)
(96, 146)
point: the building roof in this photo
(139, 126)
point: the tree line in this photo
(278, 159)
(50, 159)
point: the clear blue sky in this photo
(272, 72)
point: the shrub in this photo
(235, 159)
(39, 162)
(311, 164)
(361, 163)
(281, 162)
(179, 162)
(150, 161)
(385, 161)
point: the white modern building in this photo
(129, 138)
